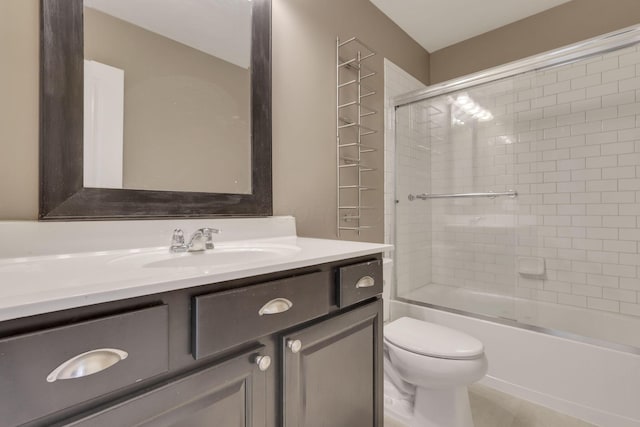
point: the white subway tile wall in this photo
(567, 139)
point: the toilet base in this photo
(397, 405)
(448, 407)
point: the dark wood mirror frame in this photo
(62, 195)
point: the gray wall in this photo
(562, 25)
(187, 120)
(304, 34)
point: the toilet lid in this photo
(432, 340)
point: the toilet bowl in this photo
(427, 370)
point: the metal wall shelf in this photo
(363, 148)
(356, 207)
(351, 109)
(355, 187)
(362, 227)
(356, 165)
(368, 111)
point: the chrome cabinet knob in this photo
(294, 345)
(263, 362)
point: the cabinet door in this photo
(333, 371)
(228, 394)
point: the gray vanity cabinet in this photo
(332, 369)
(299, 348)
(227, 394)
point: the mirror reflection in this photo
(167, 95)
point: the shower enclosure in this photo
(518, 193)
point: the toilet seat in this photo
(429, 339)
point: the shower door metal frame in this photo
(565, 55)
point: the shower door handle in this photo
(423, 196)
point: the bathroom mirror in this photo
(143, 116)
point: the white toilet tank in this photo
(387, 283)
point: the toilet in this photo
(427, 368)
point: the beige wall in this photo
(187, 123)
(304, 107)
(565, 24)
(19, 43)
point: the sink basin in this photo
(222, 255)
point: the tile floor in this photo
(492, 408)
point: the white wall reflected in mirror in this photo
(103, 125)
(181, 119)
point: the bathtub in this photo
(588, 378)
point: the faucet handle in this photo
(177, 241)
(208, 236)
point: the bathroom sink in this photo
(222, 255)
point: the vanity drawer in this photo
(224, 319)
(359, 282)
(42, 372)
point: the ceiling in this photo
(221, 28)
(436, 24)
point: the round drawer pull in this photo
(86, 364)
(294, 345)
(263, 362)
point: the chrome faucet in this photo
(201, 240)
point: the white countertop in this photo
(49, 277)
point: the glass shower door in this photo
(456, 204)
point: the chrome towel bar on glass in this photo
(491, 195)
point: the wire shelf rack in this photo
(353, 149)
